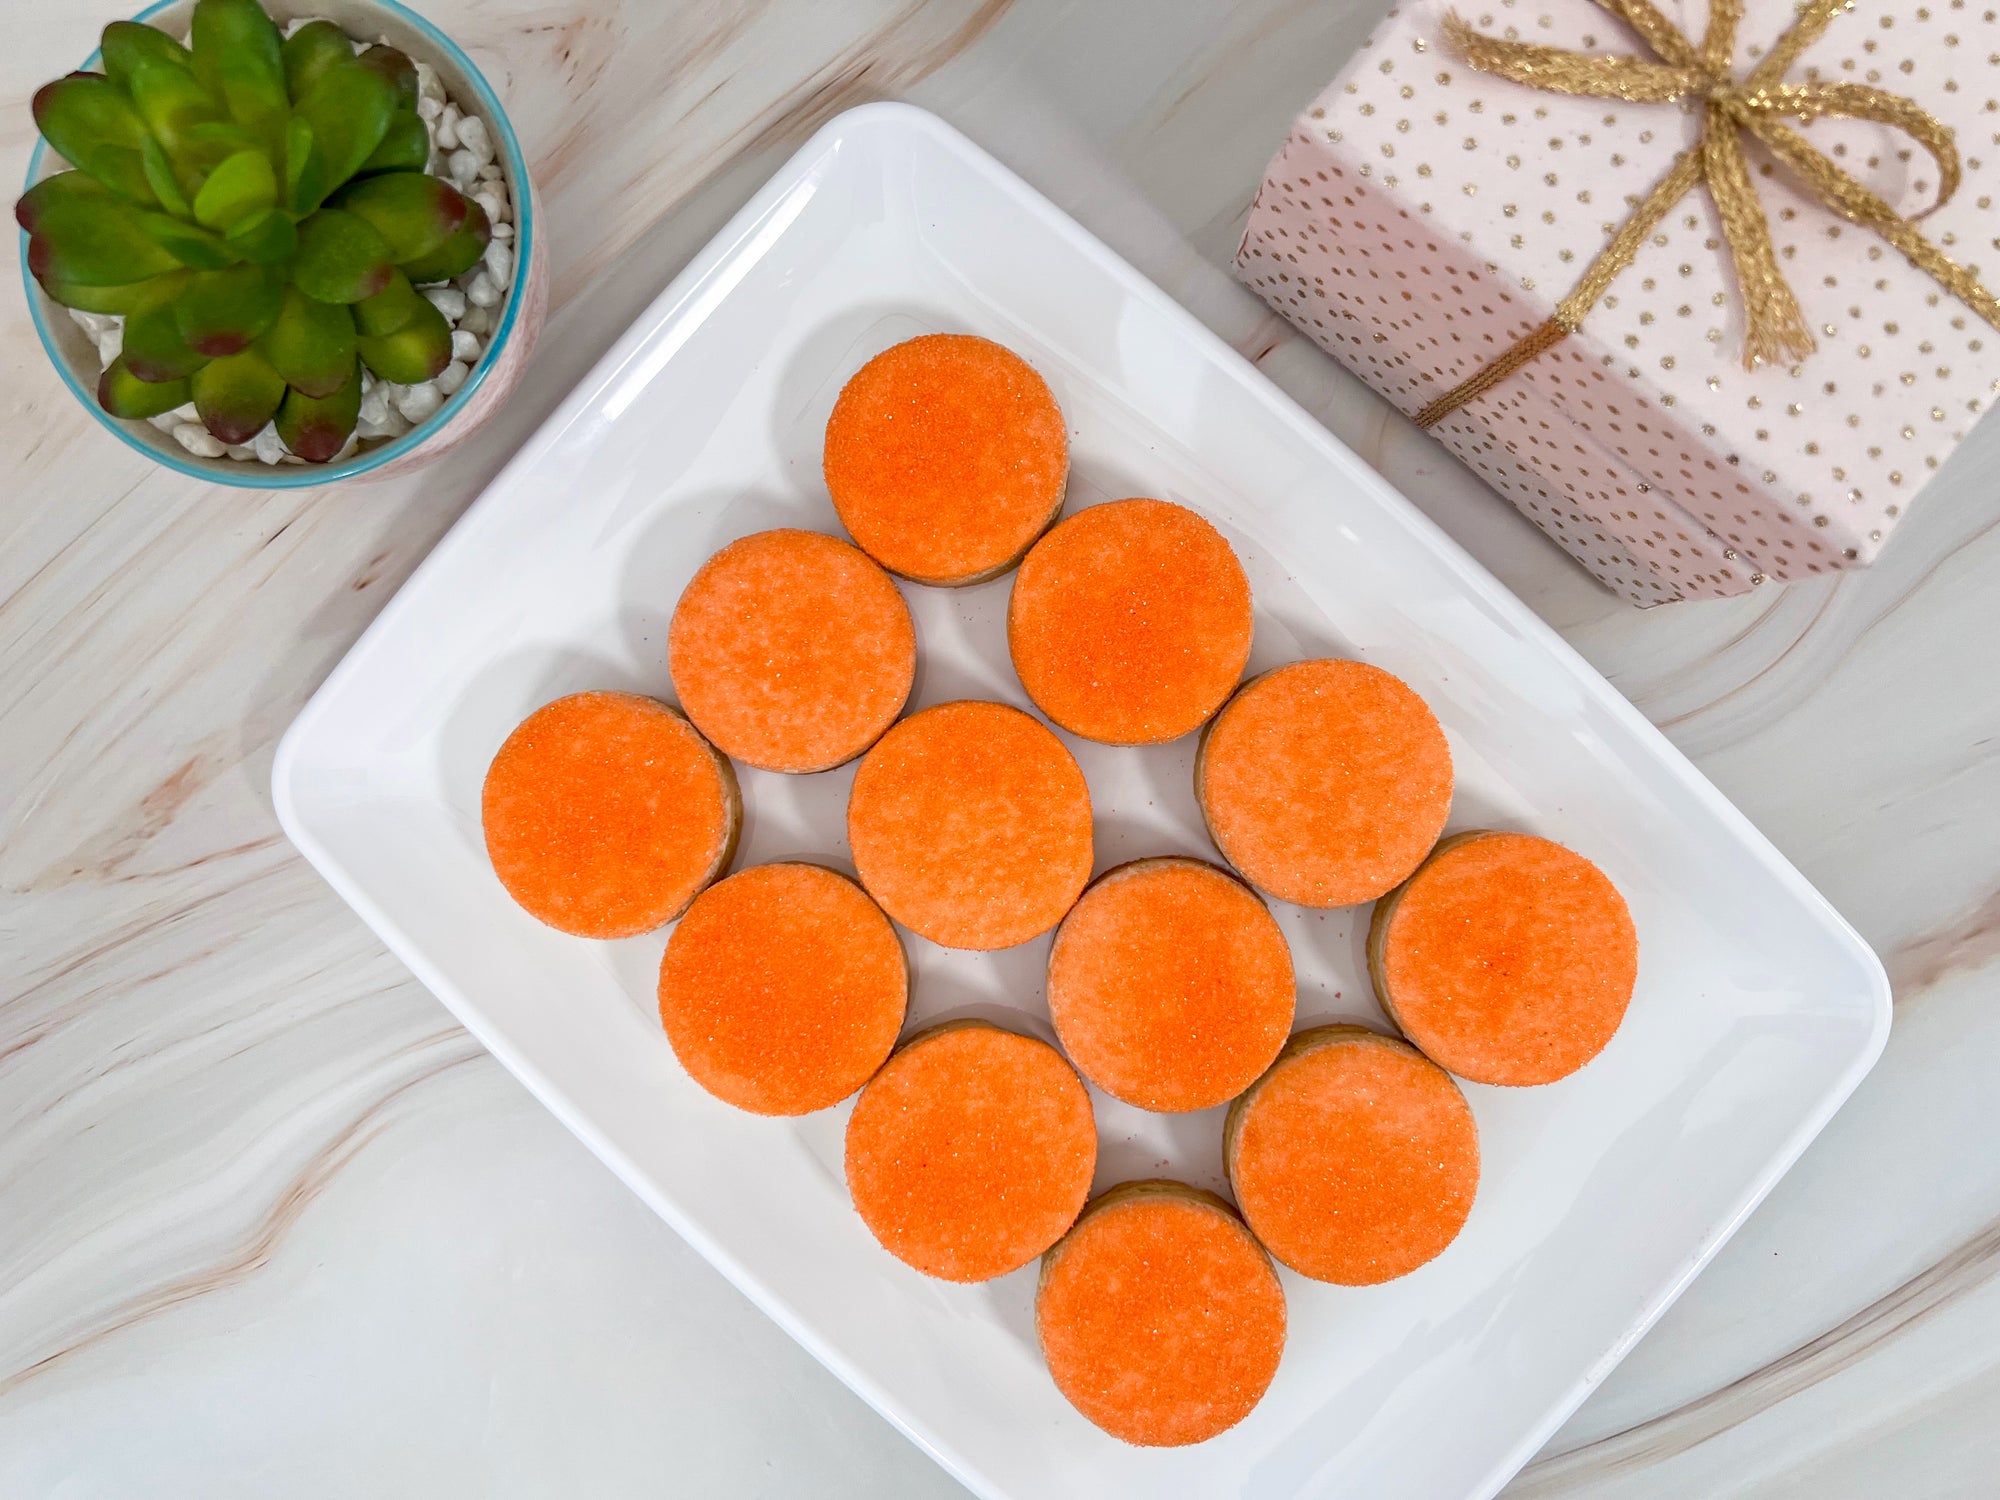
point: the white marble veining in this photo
(270, 1223)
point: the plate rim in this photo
(679, 300)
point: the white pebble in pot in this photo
(452, 377)
(199, 441)
(444, 135)
(499, 262)
(267, 445)
(448, 300)
(417, 402)
(464, 168)
(374, 404)
(481, 290)
(472, 135)
(464, 344)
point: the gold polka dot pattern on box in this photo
(1422, 217)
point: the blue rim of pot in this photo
(304, 476)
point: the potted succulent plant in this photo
(259, 232)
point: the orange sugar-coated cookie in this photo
(1160, 1318)
(1324, 782)
(783, 988)
(605, 813)
(1130, 622)
(1170, 985)
(971, 1152)
(1507, 958)
(791, 651)
(946, 457)
(1354, 1159)
(970, 823)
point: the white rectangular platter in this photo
(1758, 1009)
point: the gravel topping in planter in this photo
(463, 153)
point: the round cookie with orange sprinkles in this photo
(970, 823)
(1507, 958)
(971, 1152)
(946, 457)
(783, 988)
(1170, 985)
(1130, 622)
(1160, 1317)
(792, 651)
(1354, 1159)
(1324, 783)
(605, 813)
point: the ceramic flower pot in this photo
(501, 362)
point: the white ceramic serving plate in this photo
(1758, 1009)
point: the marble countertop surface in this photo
(271, 1223)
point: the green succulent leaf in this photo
(269, 238)
(413, 212)
(123, 170)
(394, 66)
(417, 351)
(222, 312)
(172, 104)
(306, 180)
(127, 43)
(124, 394)
(168, 190)
(205, 146)
(349, 108)
(83, 112)
(341, 258)
(237, 395)
(406, 148)
(311, 344)
(458, 254)
(238, 57)
(99, 243)
(242, 185)
(187, 243)
(64, 187)
(154, 347)
(310, 51)
(394, 307)
(316, 428)
(100, 299)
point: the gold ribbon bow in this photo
(1757, 103)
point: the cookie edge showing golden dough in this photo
(1378, 949)
(902, 955)
(889, 723)
(732, 808)
(1303, 1043)
(1173, 1190)
(1090, 825)
(931, 1033)
(1132, 867)
(999, 569)
(1237, 684)
(1201, 794)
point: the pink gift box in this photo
(1423, 216)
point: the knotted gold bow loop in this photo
(1757, 104)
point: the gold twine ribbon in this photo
(1758, 104)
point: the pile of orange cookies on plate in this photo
(1502, 958)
